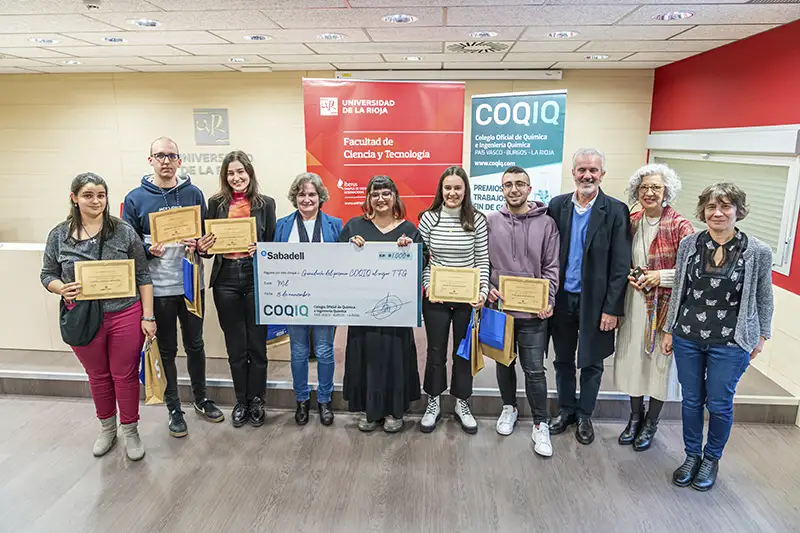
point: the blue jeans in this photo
(708, 374)
(301, 348)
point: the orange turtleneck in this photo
(240, 208)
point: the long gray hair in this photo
(74, 216)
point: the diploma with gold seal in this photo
(102, 280)
(233, 234)
(173, 225)
(449, 284)
(529, 295)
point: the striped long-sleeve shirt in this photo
(451, 246)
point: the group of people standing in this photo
(612, 275)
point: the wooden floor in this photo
(284, 479)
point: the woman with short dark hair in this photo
(234, 287)
(111, 359)
(310, 224)
(719, 318)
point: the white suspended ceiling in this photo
(209, 35)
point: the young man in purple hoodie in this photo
(524, 241)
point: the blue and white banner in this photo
(516, 129)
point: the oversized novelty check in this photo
(338, 284)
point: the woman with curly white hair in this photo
(640, 367)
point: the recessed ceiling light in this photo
(236, 60)
(144, 23)
(483, 34)
(400, 19)
(115, 40)
(596, 57)
(42, 40)
(71, 62)
(674, 15)
(562, 34)
(330, 36)
(257, 37)
(412, 58)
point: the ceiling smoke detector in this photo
(477, 47)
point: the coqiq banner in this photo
(516, 129)
(409, 131)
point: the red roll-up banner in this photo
(409, 131)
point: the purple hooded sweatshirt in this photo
(524, 245)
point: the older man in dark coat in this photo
(595, 263)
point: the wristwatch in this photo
(149, 318)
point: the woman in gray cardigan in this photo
(719, 318)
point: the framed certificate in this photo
(448, 284)
(174, 225)
(529, 295)
(102, 280)
(233, 234)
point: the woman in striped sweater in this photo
(456, 235)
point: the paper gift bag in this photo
(476, 355)
(465, 346)
(192, 285)
(468, 347)
(155, 381)
(496, 336)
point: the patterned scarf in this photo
(662, 254)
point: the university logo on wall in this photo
(328, 107)
(211, 127)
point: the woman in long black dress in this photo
(381, 378)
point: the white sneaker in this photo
(507, 420)
(432, 415)
(464, 415)
(541, 440)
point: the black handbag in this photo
(79, 325)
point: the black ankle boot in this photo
(706, 475)
(301, 415)
(632, 429)
(685, 473)
(645, 437)
(325, 413)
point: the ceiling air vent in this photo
(477, 47)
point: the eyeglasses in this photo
(386, 193)
(518, 184)
(161, 156)
(651, 188)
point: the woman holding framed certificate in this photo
(380, 364)
(457, 236)
(103, 248)
(309, 224)
(238, 217)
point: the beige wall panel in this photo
(88, 90)
(23, 325)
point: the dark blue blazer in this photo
(331, 227)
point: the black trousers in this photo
(530, 337)
(246, 341)
(169, 310)
(438, 318)
(566, 320)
